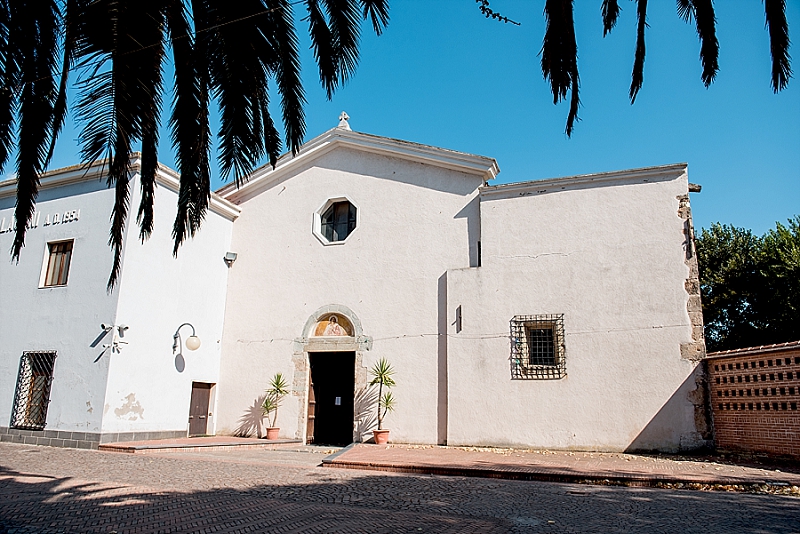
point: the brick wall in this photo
(755, 394)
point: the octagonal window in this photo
(338, 221)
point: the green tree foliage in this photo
(750, 285)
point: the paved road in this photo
(47, 490)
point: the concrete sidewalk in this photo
(558, 466)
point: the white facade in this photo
(139, 387)
(431, 277)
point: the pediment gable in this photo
(260, 179)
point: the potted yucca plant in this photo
(278, 389)
(382, 373)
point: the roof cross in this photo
(343, 124)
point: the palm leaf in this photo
(324, 47)
(703, 13)
(382, 373)
(68, 21)
(378, 13)
(637, 78)
(344, 19)
(560, 56)
(121, 99)
(33, 41)
(778, 43)
(191, 134)
(610, 11)
(9, 74)
(286, 69)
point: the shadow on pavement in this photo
(380, 504)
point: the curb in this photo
(624, 480)
(191, 447)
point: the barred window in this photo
(58, 259)
(33, 390)
(537, 347)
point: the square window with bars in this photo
(33, 390)
(537, 347)
(58, 260)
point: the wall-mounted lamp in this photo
(229, 258)
(192, 342)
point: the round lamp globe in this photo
(193, 343)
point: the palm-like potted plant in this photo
(278, 389)
(382, 373)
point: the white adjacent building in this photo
(560, 313)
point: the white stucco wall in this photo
(610, 257)
(142, 387)
(65, 319)
(149, 389)
(415, 221)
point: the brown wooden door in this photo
(312, 412)
(198, 410)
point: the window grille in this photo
(338, 221)
(58, 258)
(33, 390)
(537, 347)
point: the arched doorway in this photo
(332, 347)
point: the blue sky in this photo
(443, 75)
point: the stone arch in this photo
(332, 309)
(309, 342)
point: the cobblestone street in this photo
(51, 490)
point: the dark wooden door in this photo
(312, 412)
(333, 379)
(198, 410)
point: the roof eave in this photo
(262, 177)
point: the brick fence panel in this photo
(755, 394)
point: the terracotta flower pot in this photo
(272, 432)
(381, 436)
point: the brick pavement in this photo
(50, 490)
(555, 466)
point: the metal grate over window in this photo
(537, 347)
(33, 390)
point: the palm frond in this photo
(322, 43)
(68, 23)
(239, 68)
(191, 135)
(560, 55)
(685, 9)
(286, 69)
(9, 81)
(344, 19)
(118, 173)
(707, 33)
(33, 38)
(121, 99)
(637, 78)
(151, 59)
(610, 11)
(778, 43)
(378, 13)
(382, 373)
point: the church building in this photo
(560, 313)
